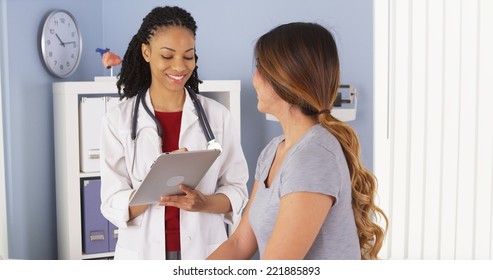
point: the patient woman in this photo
(312, 197)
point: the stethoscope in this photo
(204, 123)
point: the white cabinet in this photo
(67, 97)
(78, 108)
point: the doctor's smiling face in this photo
(171, 57)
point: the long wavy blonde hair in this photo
(301, 62)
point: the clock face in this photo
(61, 43)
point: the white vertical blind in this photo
(484, 144)
(450, 129)
(434, 127)
(417, 97)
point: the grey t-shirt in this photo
(315, 164)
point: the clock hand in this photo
(61, 42)
(72, 42)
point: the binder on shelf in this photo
(95, 238)
(91, 111)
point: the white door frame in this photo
(4, 252)
(381, 105)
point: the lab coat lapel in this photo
(146, 120)
(188, 118)
(148, 142)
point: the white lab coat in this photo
(143, 237)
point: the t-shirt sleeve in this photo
(312, 169)
(260, 165)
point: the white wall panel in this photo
(381, 49)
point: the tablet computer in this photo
(172, 169)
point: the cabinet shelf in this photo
(108, 255)
(89, 174)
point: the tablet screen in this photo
(172, 169)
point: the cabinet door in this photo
(91, 111)
(111, 101)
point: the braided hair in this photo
(135, 74)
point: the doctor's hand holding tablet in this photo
(173, 179)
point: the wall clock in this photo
(61, 43)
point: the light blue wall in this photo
(227, 31)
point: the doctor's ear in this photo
(146, 52)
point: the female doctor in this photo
(158, 77)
